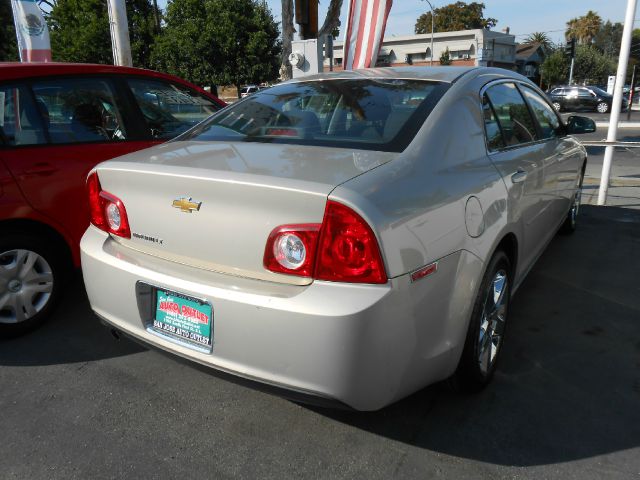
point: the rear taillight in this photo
(348, 250)
(342, 249)
(291, 249)
(107, 211)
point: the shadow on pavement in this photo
(568, 386)
(73, 334)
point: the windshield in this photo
(369, 114)
(599, 91)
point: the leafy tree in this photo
(592, 66)
(608, 38)
(8, 42)
(455, 16)
(555, 68)
(445, 57)
(541, 38)
(219, 41)
(584, 29)
(79, 31)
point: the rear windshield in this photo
(369, 114)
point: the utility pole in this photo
(432, 25)
(119, 33)
(625, 47)
(307, 18)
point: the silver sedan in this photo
(349, 237)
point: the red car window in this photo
(20, 123)
(79, 110)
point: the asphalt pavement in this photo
(77, 404)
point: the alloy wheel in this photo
(602, 107)
(26, 285)
(492, 322)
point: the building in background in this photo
(466, 47)
(529, 57)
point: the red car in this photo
(57, 121)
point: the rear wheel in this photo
(602, 107)
(487, 327)
(570, 223)
(31, 278)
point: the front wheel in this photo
(557, 106)
(485, 335)
(602, 107)
(31, 279)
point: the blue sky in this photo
(522, 16)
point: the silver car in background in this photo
(351, 237)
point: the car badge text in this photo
(186, 205)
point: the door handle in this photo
(41, 169)
(519, 177)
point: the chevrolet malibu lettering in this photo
(363, 235)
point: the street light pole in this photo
(625, 46)
(432, 24)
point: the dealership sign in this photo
(32, 31)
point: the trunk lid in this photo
(213, 205)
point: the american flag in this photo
(366, 21)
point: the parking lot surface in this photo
(75, 403)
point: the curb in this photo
(613, 182)
(620, 124)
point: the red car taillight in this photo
(107, 211)
(342, 249)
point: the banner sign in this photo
(32, 31)
(366, 22)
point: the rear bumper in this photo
(361, 345)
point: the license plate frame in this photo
(180, 318)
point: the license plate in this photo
(184, 318)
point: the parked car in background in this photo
(248, 90)
(57, 121)
(575, 98)
(351, 237)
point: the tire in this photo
(571, 221)
(32, 275)
(602, 107)
(557, 106)
(485, 335)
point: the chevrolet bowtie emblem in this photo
(186, 205)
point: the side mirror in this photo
(577, 125)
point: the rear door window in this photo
(78, 110)
(169, 109)
(545, 115)
(513, 114)
(20, 120)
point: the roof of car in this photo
(16, 70)
(446, 74)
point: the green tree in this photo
(609, 37)
(219, 41)
(445, 57)
(79, 31)
(455, 16)
(8, 42)
(592, 66)
(584, 29)
(555, 68)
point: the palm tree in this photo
(540, 38)
(584, 29)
